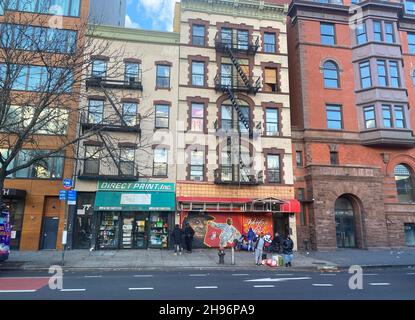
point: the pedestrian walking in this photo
(251, 237)
(259, 250)
(287, 250)
(176, 236)
(188, 237)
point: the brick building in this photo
(234, 161)
(352, 94)
(31, 194)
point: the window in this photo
(230, 118)
(99, 68)
(365, 77)
(198, 35)
(399, 117)
(377, 31)
(91, 163)
(411, 42)
(409, 234)
(198, 73)
(47, 168)
(271, 84)
(57, 7)
(404, 183)
(132, 72)
(127, 157)
(242, 37)
(334, 158)
(226, 75)
(334, 117)
(198, 117)
(327, 33)
(387, 116)
(273, 168)
(389, 32)
(226, 36)
(162, 116)
(197, 164)
(361, 33)
(370, 117)
(382, 76)
(160, 162)
(331, 75)
(299, 158)
(413, 77)
(129, 113)
(410, 7)
(163, 76)
(394, 74)
(95, 111)
(269, 42)
(272, 121)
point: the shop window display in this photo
(140, 233)
(158, 231)
(127, 232)
(108, 231)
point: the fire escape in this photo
(230, 85)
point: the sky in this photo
(150, 14)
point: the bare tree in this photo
(43, 71)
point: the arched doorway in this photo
(345, 223)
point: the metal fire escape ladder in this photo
(111, 101)
(241, 73)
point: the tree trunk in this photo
(2, 178)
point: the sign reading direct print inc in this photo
(135, 186)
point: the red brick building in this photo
(352, 69)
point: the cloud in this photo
(160, 12)
(130, 23)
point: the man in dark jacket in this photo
(188, 237)
(276, 243)
(176, 236)
(287, 250)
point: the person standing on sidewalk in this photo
(176, 235)
(251, 237)
(188, 237)
(259, 250)
(287, 250)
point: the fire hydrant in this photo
(221, 255)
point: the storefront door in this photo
(50, 233)
(140, 236)
(128, 227)
(16, 209)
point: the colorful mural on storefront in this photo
(214, 230)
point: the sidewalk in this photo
(200, 259)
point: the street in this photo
(261, 284)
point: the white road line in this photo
(207, 287)
(93, 276)
(380, 284)
(198, 275)
(322, 285)
(139, 289)
(328, 274)
(411, 273)
(283, 274)
(143, 276)
(240, 274)
(265, 286)
(17, 291)
(73, 290)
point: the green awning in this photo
(134, 201)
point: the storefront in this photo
(134, 215)
(215, 219)
(15, 201)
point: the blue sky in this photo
(150, 14)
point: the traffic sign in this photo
(72, 197)
(62, 195)
(67, 184)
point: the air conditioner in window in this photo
(198, 178)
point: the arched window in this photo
(331, 75)
(404, 183)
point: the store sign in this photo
(136, 186)
(134, 198)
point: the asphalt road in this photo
(261, 284)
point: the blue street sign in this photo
(67, 184)
(62, 195)
(72, 197)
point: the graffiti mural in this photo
(214, 230)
